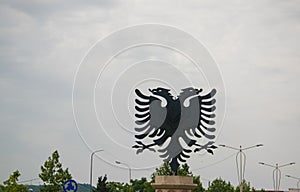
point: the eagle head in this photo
(188, 92)
(161, 92)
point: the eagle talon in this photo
(198, 149)
(208, 147)
(141, 147)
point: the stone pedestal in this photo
(173, 184)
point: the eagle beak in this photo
(150, 90)
(199, 90)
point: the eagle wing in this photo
(199, 116)
(150, 114)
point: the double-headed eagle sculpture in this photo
(175, 125)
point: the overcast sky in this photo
(254, 43)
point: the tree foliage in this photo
(140, 185)
(219, 185)
(11, 184)
(247, 188)
(143, 185)
(199, 188)
(137, 185)
(118, 187)
(53, 175)
(183, 170)
(165, 169)
(102, 185)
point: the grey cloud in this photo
(255, 43)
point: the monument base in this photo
(173, 184)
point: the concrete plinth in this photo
(173, 184)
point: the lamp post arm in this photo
(287, 164)
(267, 164)
(293, 177)
(229, 147)
(96, 152)
(259, 145)
(240, 149)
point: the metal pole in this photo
(129, 169)
(91, 168)
(276, 173)
(241, 168)
(129, 174)
(298, 181)
(276, 177)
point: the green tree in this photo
(53, 175)
(247, 187)
(219, 185)
(140, 185)
(117, 187)
(101, 185)
(183, 170)
(199, 188)
(165, 169)
(11, 184)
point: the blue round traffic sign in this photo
(70, 186)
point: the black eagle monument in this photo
(175, 125)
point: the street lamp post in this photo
(298, 180)
(276, 173)
(91, 169)
(129, 168)
(241, 160)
